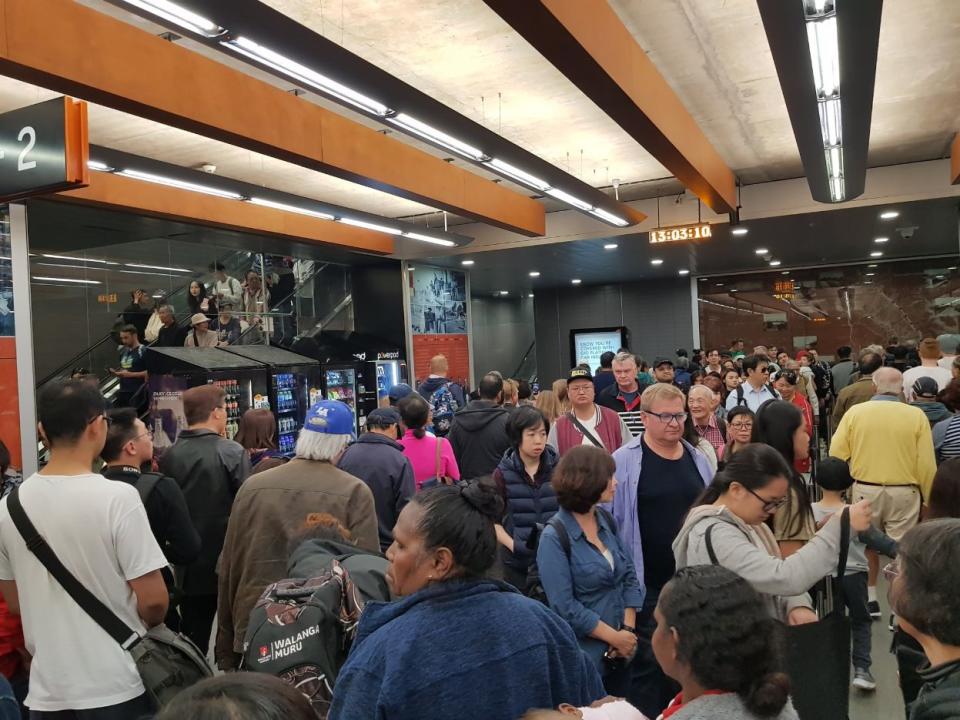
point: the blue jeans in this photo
(855, 598)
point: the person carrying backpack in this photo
(756, 389)
(444, 395)
(586, 570)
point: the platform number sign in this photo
(43, 149)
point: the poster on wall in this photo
(587, 345)
(166, 410)
(438, 309)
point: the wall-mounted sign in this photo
(43, 149)
(394, 355)
(784, 290)
(679, 233)
(107, 298)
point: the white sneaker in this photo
(863, 680)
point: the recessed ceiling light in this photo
(785, 272)
(881, 239)
(873, 265)
(684, 272)
(939, 277)
(761, 251)
(534, 273)
(575, 281)
(951, 268)
(870, 274)
(411, 269)
(610, 246)
(868, 282)
(504, 292)
(733, 290)
(889, 214)
(467, 262)
(774, 263)
(656, 261)
(719, 284)
(530, 295)
(739, 231)
(876, 253)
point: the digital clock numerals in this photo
(679, 234)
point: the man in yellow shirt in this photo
(890, 450)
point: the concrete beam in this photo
(955, 160)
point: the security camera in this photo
(907, 232)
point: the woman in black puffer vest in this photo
(523, 477)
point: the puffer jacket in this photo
(527, 503)
(939, 698)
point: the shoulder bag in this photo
(438, 477)
(583, 431)
(168, 662)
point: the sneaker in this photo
(874, 607)
(863, 680)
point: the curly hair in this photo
(726, 637)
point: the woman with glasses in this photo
(739, 431)
(779, 424)
(727, 527)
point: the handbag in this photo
(166, 661)
(438, 477)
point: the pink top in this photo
(422, 454)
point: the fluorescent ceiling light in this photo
(656, 261)
(304, 75)
(157, 267)
(290, 208)
(881, 239)
(684, 272)
(370, 226)
(569, 199)
(530, 295)
(429, 239)
(467, 262)
(438, 137)
(889, 214)
(609, 217)
(610, 246)
(99, 166)
(576, 281)
(182, 184)
(179, 16)
(774, 263)
(870, 274)
(874, 265)
(876, 253)
(761, 251)
(67, 280)
(534, 274)
(515, 173)
(739, 231)
(79, 259)
(785, 272)
(824, 55)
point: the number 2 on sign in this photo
(22, 162)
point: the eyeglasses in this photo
(580, 389)
(106, 419)
(891, 570)
(148, 433)
(742, 426)
(768, 505)
(764, 371)
(668, 418)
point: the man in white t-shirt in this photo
(929, 356)
(98, 529)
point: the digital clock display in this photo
(679, 233)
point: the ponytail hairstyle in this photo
(775, 425)
(754, 467)
(461, 518)
(726, 636)
(414, 411)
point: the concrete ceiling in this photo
(713, 53)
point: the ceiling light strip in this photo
(428, 132)
(821, 22)
(179, 16)
(181, 184)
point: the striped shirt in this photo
(633, 420)
(946, 438)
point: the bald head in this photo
(438, 365)
(700, 392)
(888, 380)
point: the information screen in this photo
(588, 345)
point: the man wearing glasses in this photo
(756, 389)
(587, 423)
(659, 476)
(128, 448)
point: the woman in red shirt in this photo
(786, 384)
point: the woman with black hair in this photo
(780, 425)
(199, 301)
(727, 527)
(251, 696)
(740, 422)
(457, 645)
(714, 637)
(523, 478)
(432, 458)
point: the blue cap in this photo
(399, 392)
(331, 417)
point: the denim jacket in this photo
(583, 590)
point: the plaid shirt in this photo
(711, 433)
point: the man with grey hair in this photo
(170, 334)
(948, 347)
(889, 446)
(277, 504)
(623, 396)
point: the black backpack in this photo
(301, 630)
(534, 587)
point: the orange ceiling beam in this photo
(590, 45)
(120, 193)
(955, 160)
(69, 48)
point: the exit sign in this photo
(680, 233)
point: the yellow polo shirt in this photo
(887, 442)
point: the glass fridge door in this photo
(388, 375)
(341, 385)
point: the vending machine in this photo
(340, 383)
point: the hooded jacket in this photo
(527, 504)
(468, 649)
(429, 386)
(479, 438)
(728, 706)
(381, 464)
(939, 698)
(313, 557)
(935, 411)
(751, 552)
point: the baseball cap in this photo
(383, 417)
(579, 374)
(331, 417)
(925, 387)
(662, 361)
(399, 392)
(199, 318)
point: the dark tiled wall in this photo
(502, 333)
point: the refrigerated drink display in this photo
(388, 375)
(341, 385)
(231, 389)
(287, 410)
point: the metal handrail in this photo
(523, 360)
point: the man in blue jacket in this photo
(659, 476)
(377, 459)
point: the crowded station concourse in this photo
(480, 360)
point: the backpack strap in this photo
(562, 535)
(739, 395)
(146, 484)
(709, 541)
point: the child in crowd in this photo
(610, 708)
(834, 478)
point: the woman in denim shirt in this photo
(590, 579)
